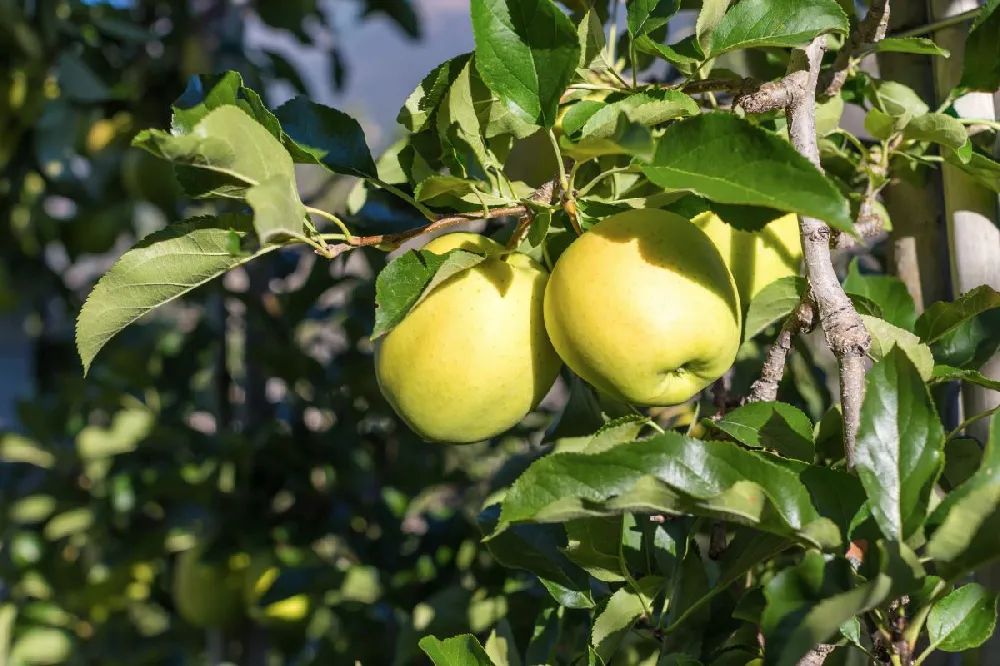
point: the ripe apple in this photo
(642, 307)
(756, 259)
(261, 575)
(472, 358)
(209, 593)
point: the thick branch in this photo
(801, 320)
(845, 332)
(869, 31)
(816, 656)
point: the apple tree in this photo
(755, 463)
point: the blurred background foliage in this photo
(244, 418)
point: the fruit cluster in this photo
(644, 307)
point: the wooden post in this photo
(973, 239)
(918, 252)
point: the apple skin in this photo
(472, 359)
(642, 307)
(756, 259)
(209, 594)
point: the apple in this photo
(209, 593)
(756, 259)
(261, 575)
(472, 359)
(642, 307)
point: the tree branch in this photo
(816, 656)
(801, 320)
(869, 31)
(845, 333)
(541, 195)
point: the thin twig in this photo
(937, 25)
(869, 31)
(816, 656)
(800, 321)
(729, 85)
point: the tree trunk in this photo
(973, 236)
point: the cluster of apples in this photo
(646, 306)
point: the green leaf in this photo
(772, 304)
(409, 278)
(440, 184)
(966, 332)
(594, 544)
(535, 548)
(916, 45)
(317, 134)
(500, 646)
(727, 159)
(885, 337)
(229, 143)
(128, 428)
(898, 100)
(969, 537)
(981, 64)
(648, 109)
(645, 16)
(460, 128)
(590, 34)
(981, 167)
(881, 125)
(754, 23)
(946, 373)
(808, 603)
(963, 620)
(462, 650)
(899, 445)
(685, 55)
(709, 17)
(161, 267)
(962, 457)
(988, 473)
(887, 291)
(624, 607)
(208, 92)
(775, 426)
(526, 52)
(423, 102)
(16, 448)
(937, 128)
(627, 138)
(670, 474)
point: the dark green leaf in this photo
(670, 474)
(775, 426)
(946, 373)
(899, 445)
(969, 536)
(885, 336)
(544, 637)
(161, 267)
(423, 102)
(772, 304)
(595, 545)
(645, 16)
(727, 159)
(229, 143)
(526, 52)
(937, 128)
(917, 45)
(500, 646)
(981, 65)
(317, 134)
(900, 565)
(888, 292)
(462, 650)
(963, 620)
(616, 619)
(753, 23)
(966, 332)
(648, 109)
(685, 55)
(206, 93)
(962, 457)
(807, 604)
(592, 42)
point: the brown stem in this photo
(845, 333)
(870, 30)
(816, 656)
(731, 85)
(801, 320)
